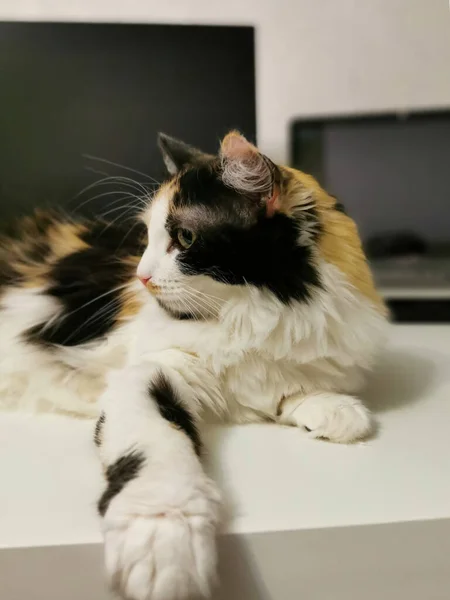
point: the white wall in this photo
(313, 56)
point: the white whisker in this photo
(200, 303)
(128, 181)
(112, 179)
(112, 291)
(216, 308)
(114, 164)
(120, 216)
(209, 296)
(105, 194)
(129, 231)
(126, 209)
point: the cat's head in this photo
(223, 223)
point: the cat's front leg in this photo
(159, 509)
(336, 417)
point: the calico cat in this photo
(252, 301)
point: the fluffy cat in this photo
(253, 301)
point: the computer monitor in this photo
(73, 91)
(391, 173)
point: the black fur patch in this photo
(338, 205)
(125, 469)
(203, 186)
(116, 239)
(32, 246)
(85, 283)
(98, 432)
(238, 244)
(172, 409)
(8, 275)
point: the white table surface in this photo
(273, 478)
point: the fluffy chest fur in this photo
(261, 350)
(256, 289)
(240, 366)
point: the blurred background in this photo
(357, 93)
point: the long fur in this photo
(270, 315)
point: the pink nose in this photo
(145, 280)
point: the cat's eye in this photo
(186, 237)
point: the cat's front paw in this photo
(335, 417)
(160, 539)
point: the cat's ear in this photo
(176, 154)
(246, 170)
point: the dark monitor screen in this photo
(70, 91)
(391, 172)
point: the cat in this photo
(242, 293)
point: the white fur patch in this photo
(160, 528)
(32, 378)
(160, 536)
(335, 417)
(250, 175)
(154, 260)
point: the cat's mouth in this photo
(153, 288)
(149, 285)
(167, 295)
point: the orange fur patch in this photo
(152, 288)
(64, 238)
(131, 305)
(339, 243)
(60, 239)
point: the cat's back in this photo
(66, 291)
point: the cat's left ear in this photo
(246, 170)
(177, 155)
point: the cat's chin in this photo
(176, 311)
